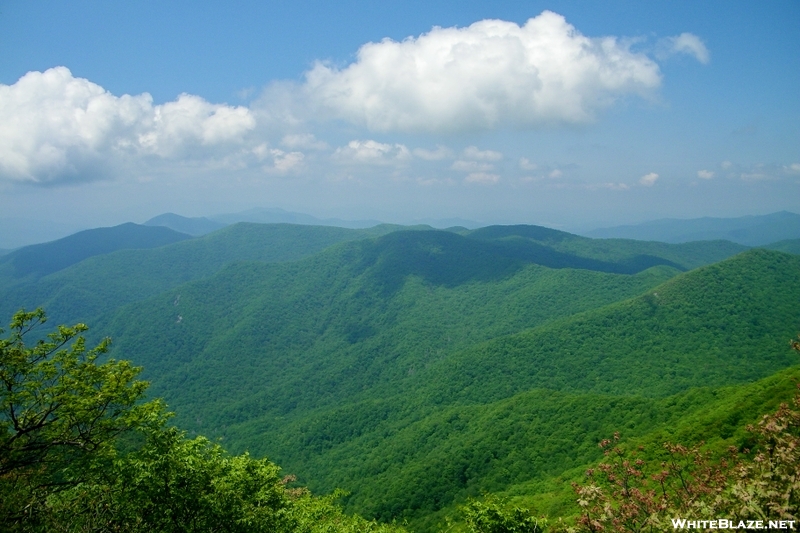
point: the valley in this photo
(416, 368)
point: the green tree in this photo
(172, 484)
(60, 412)
(492, 516)
(80, 452)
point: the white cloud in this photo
(441, 152)
(616, 186)
(525, 164)
(492, 73)
(755, 176)
(609, 185)
(471, 166)
(482, 177)
(760, 171)
(685, 43)
(57, 128)
(648, 180)
(705, 174)
(283, 162)
(472, 152)
(305, 141)
(191, 120)
(372, 152)
(555, 174)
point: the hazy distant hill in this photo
(193, 226)
(102, 283)
(632, 253)
(275, 215)
(791, 246)
(748, 230)
(39, 260)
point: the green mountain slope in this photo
(191, 225)
(38, 260)
(631, 254)
(413, 368)
(724, 322)
(529, 445)
(408, 450)
(356, 316)
(98, 285)
(791, 246)
(318, 361)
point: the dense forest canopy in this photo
(462, 377)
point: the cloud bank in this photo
(489, 74)
(58, 128)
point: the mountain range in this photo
(416, 367)
(748, 230)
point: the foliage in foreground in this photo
(629, 492)
(640, 490)
(495, 516)
(80, 451)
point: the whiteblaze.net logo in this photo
(723, 523)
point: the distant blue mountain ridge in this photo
(197, 226)
(194, 226)
(39, 260)
(758, 230)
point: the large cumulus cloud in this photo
(57, 128)
(489, 74)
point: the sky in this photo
(570, 114)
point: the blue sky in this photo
(569, 114)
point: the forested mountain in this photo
(38, 260)
(415, 367)
(748, 230)
(274, 215)
(791, 246)
(103, 283)
(371, 348)
(190, 225)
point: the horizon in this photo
(559, 114)
(46, 231)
